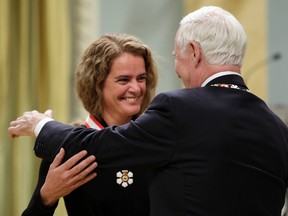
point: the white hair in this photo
(218, 32)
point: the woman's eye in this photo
(142, 79)
(123, 80)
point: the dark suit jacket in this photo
(213, 151)
(101, 196)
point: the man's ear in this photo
(196, 51)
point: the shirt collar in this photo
(214, 76)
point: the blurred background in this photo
(40, 45)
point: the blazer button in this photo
(38, 146)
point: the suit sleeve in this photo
(147, 142)
(35, 207)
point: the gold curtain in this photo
(34, 74)
(253, 16)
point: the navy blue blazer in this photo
(212, 151)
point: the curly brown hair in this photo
(96, 63)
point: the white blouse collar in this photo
(214, 76)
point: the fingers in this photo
(80, 173)
(84, 180)
(48, 113)
(11, 130)
(25, 124)
(84, 167)
(70, 168)
(74, 160)
(85, 175)
(11, 133)
(17, 128)
(29, 112)
(62, 179)
(58, 159)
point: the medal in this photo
(124, 178)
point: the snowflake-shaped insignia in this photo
(124, 178)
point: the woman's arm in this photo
(57, 180)
(62, 179)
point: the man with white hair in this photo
(214, 147)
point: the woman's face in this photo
(124, 88)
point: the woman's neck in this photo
(116, 121)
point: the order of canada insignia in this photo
(124, 178)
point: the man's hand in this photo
(62, 179)
(25, 124)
